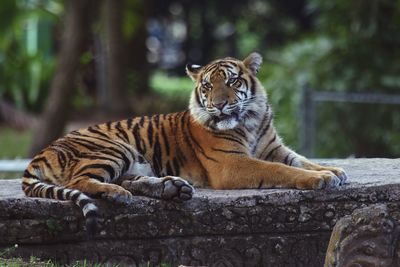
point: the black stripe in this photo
(61, 159)
(97, 157)
(90, 129)
(141, 122)
(171, 123)
(229, 137)
(252, 86)
(234, 64)
(272, 151)
(29, 184)
(109, 169)
(165, 139)
(197, 96)
(120, 130)
(157, 120)
(138, 140)
(108, 125)
(68, 194)
(69, 148)
(117, 144)
(291, 161)
(240, 132)
(150, 133)
(94, 146)
(44, 160)
(264, 131)
(90, 145)
(195, 141)
(60, 195)
(286, 159)
(129, 123)
(157, 157)
(272, 140)
(43, 190)
(228, 151)
(91, 213)
(127, 147)
(176, 166)
(246, 84)
(169, 169)
(262, 123)
(137, 177)
(75, 196)
(83, 202)
(49, 191)
(267, 146)
(35, 189)
(225, 65)
(27, 174)
(93, 176)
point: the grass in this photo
(35, 262)
(10, 175)
(18, 262)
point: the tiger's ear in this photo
(193, 71)
(253, 62)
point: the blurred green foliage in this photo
(338, 45)
(14, 143)
(172, 87)
(26, 57)
(354, 47)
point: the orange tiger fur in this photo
(226, 140)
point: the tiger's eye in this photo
(232, 81)
(206, 85)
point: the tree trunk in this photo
(117, 103)
(136, 50)
(58, 105)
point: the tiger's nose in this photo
(220, 105)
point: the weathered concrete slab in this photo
(274, 227)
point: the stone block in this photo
(269, 227)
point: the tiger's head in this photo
(227, 92)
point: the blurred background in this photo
(331, 68)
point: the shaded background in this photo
(67, 64)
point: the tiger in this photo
(226, 139)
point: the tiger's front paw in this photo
(176, 189)
(339, 172)
(318, 180)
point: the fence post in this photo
(307, 122)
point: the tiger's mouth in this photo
(223, 117)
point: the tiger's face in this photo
(227, 92)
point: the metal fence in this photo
(309, 105)
(16, 165)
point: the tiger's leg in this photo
(167, 188)
(95, 187)
(281, 153)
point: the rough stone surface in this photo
(276, 227)
(367, 237)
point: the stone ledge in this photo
(276, 227)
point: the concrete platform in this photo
(276, 227)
